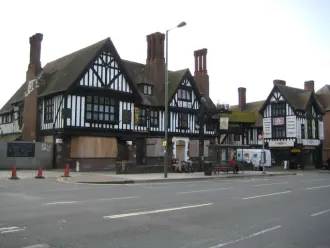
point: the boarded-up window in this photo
(93, 147)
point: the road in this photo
(282, 211)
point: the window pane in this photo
(89, 107)
(112, 117)
(95, 116)
(112, 102)
(106, 101)
(112, 109)
(101, 100)
(106, 117)
(88, 115)
(101, 116)
(96, 107)
(96, 99)
(89, 99)
(149, 90)
(106, 109)
(101, 108)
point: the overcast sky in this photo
(250, 42)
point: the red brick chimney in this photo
(241, 98)
(30, 114)
(156, 61)
(200, 75)
(309, 86)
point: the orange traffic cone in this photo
(67, 171)
(39, 175)
(14, 173)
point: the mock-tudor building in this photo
(98, 108)
(290, 120)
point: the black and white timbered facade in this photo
(97, 99)
(291, 123)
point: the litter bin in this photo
(207, 169)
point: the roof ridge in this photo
(77, 51)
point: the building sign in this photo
(281, 143)
(267, 128)
(136, 116)
(20, 149)
(224, 123)
(298, 129)
(291, 126)
(310, 142)
(321, 130)
(278, 121)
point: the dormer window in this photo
(147, 90)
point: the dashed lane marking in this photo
(37, 246)
(11, 229)
(154, 211)
(247, 237)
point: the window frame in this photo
(94, 107)
(278, 109)
(276, 134)
(183, 120)
(184, 94)
(154, 118)
(142, 118)
(48, 110)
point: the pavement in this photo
(273, 212)
(112, 178)
(159, 177)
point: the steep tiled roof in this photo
(297, 98)
(18, 96)
(323, 97)
(61, 73)
(252, 107)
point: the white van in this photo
(254, 156)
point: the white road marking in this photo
(247, 237)
(156, 187)
(318, 187)
(319, 213)
(154, 211)
(203, 190)
(11, 229)
(57, 203)
(94, 200)
(266, 184)
(37, 246)
(311, 180)
(258, 196)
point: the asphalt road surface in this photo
(277, 212)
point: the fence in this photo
(26, 155)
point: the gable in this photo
(186, 95)
(314, 108)
(106, 73)
(276, 97)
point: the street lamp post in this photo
(201, 132)
(182, 24)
